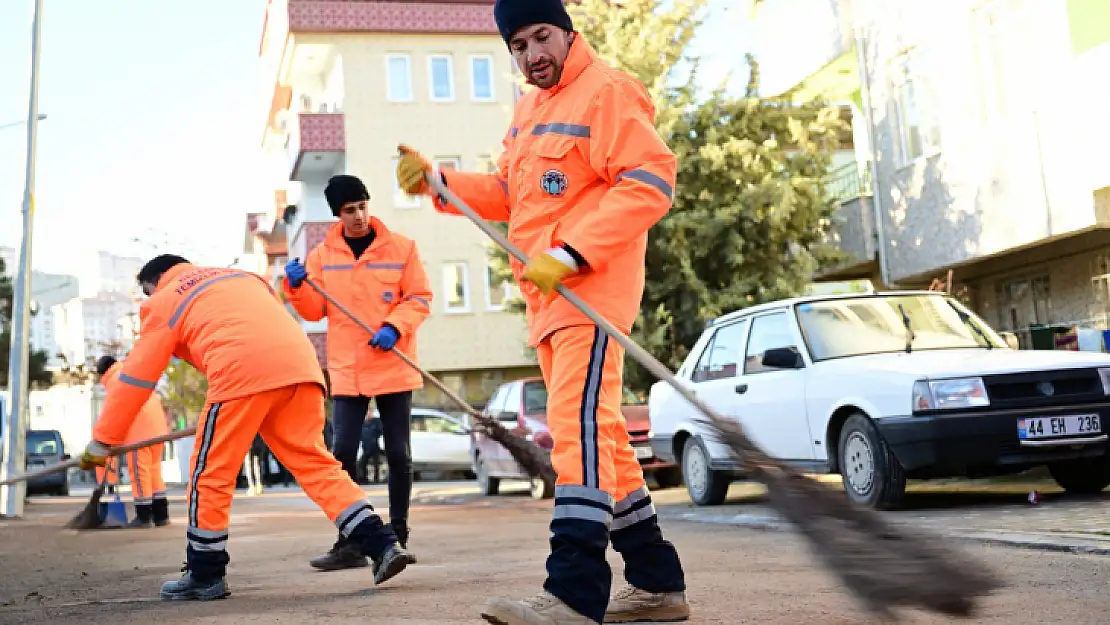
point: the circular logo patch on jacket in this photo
(554, 182)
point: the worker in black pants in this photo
(395, 414)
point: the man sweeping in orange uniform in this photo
(263, 377)
(148, 491)
(583, 177)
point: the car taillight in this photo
(543, 439)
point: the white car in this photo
(440, 442)
(882, 387)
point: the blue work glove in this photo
(295, 273)
(385, 338)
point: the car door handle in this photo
(741, 389)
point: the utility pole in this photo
(18, 419)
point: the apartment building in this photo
(346, 82)
(977, 149)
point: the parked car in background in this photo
(521, 406)
(440, 442)
(46, 448)
(881, 388)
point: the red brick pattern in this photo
(413, 17)
(314, 234)
(323, 132)
(320, 342)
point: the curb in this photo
(772, 524)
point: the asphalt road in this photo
(472, 548)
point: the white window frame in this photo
(432, 58)
(447, 308)
(454, 160)
(389, 95)
(400, 198)
(508, 288)
(473, 78)
(912, 68)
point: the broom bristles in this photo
(89, 517)
(883, 566)
(534, 460)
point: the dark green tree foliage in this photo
(37, 364)
(750, 211)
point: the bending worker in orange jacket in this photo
(148, 491)
(376, 274)
(263, 377)
(583, 177)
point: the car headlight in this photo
(1104, 374)
(949, 394)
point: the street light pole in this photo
(40, 117)
(18, 419)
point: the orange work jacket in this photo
(227, 323)
(151, 420)
(583, 165)
(386, 284)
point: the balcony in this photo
(853, 223)
(315, 145)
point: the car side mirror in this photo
(65, 457)
(1011, 340)
(782, 358)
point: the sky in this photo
(154, 122)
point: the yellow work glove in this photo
(96, 455)
(411, 169)
(547, 270)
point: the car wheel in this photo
(63, 490)
(669, 477)
(542, 489)
(872, 476)
(1082, 476)
(706, 486)
(488, 485)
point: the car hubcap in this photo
(859, 464)
(696, 472)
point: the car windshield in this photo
(535, 398)
(41, 443)
(875, 325)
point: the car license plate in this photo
(1056, 427)
(643, 452)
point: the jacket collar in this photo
(171, 275)
(580, 56)
(334, 237)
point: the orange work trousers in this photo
(291, 421)
(145, 466)
(600, 493)
(111, 468)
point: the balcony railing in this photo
(846, 182)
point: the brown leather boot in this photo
(632, 605)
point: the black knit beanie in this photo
(342, 189)
(512, 15)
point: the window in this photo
(441, 80)
(448, 163)
(456, 295)
(721, 357)
(481, 78)
(398, 77)
(535, 398)
(915, 107)
(400, 198)
(768, 332)
(498, 290)
(486, 164)
(513, 401)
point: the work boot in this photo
(543, 609)
(392, 562)
(160, 510)
(142, 517)
(342, 555)
(632, 605)
(401, 529)
(189, 588)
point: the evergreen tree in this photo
(36, 366)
